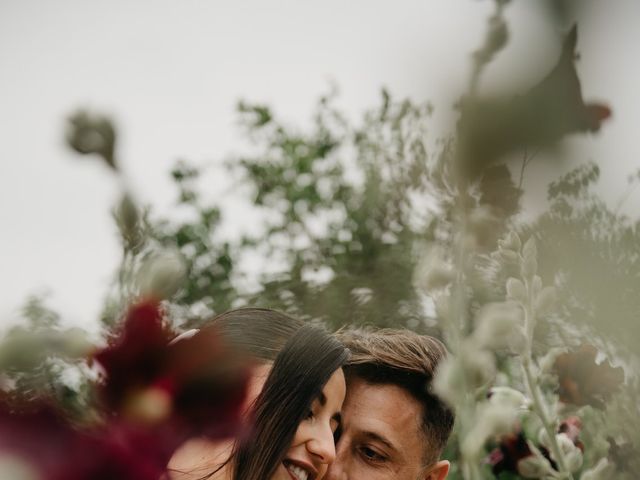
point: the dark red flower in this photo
(190, 387)
(40, 437)
(583, 381)
(505, 457)
(136, 357)
(155, 394)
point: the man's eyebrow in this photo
(379, 438)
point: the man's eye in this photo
(371, 455)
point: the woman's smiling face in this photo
(313, 448)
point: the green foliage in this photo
(339, 202)
(209, 263)
(585, 241)
(367, 223)
(40, 359)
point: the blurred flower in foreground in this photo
(162, 274)
(518, 455)
(90, 133)
(492, 128)
(583, 381)
(512, 449)
(155, 394)
(37, 443)
(192, 386)
(130, 223)
(567, 438)
(498, 191)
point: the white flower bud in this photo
(479, 366)
(433, 272)
(529, 268)
(162, 275)
(546, 300)
(127, 218)
(496, 324)
(543, 438)
(508, 397)
(505, 256)
(448, 383)
(570, 452)
(603, 470)
(574, 460)
(516, 290)
(491, 420)
(91, 133)
(511, 242)
(459, 375)
(127, 213)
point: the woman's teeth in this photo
(298, 472)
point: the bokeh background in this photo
(171, 73)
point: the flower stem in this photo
(537, 398)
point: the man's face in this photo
(381, 437)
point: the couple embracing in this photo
(356, 405)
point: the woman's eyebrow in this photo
(322, 398)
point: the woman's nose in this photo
(322, 445)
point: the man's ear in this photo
(438, 471)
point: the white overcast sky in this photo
(171, 72)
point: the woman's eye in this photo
(309, 414)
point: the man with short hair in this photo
(393, 426)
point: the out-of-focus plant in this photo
(341, 208)
(39, 358)
(151, 394)
(539, 406)
(368, 225)
(129, 404)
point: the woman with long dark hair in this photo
(297, 409)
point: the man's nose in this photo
(338, 468)
(322, 446)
